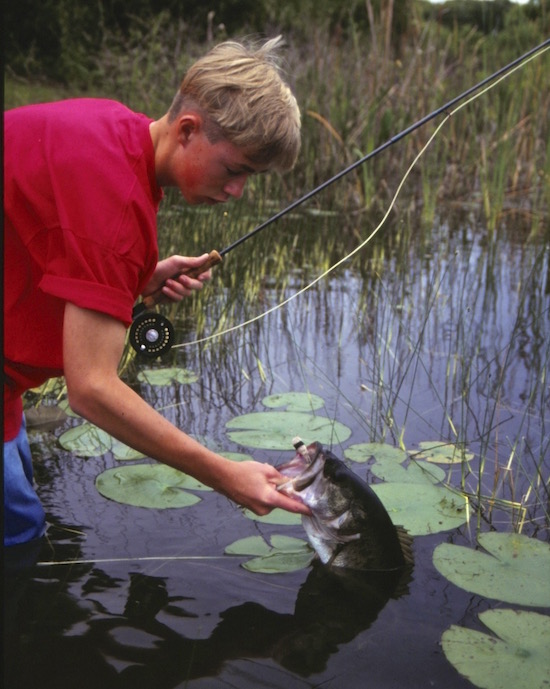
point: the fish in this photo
(349, 526)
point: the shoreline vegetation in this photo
(362, 73)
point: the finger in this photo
(173, 291)
(291, 505)
(183, 286)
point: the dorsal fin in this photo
(405, 541)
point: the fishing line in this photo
(153, 558)
(495, 78)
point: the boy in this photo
(83, 182)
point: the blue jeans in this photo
(24, 517)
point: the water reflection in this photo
(62, 639)
(435, 335)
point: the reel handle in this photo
(151, 300)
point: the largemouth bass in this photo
(349, 526)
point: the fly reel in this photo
(151, 333)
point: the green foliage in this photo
(281, 554)
(163, 377)
(277, 516)
(381, 451)
(273, 430)
(515, 656)
(485, 15)
(422, 508)
(362, 73)
(514, 568)
(442, 453)
(411, 493)
(149, 485)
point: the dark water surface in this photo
(442, 339)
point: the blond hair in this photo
(242, 96)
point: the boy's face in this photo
(205, 172)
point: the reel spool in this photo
(151, 334)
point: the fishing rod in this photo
(152, 334)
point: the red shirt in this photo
(80, 205)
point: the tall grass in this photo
(355, 96)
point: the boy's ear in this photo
(188, 125)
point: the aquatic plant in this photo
(514, 655)
(280, 554)
(149, 485)
(513, 569)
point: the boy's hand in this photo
(176, 288)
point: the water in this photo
(445, 338)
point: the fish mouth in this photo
(303, 469)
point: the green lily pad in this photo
(517, 657)
(279, 562)
(442, 453)
(515, 568)
(87, 440)
(276, 516)
(285, 554)
(388, 464)
(377, 451)
(124, 453)
(166, 376)
(64, 405)
(415, 472)
(251, 545)
(273, 430)
(422, 508)
(294, 401)
(149, 485)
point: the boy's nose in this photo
(235, 186)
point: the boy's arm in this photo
(92, 346)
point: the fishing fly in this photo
(152, 334)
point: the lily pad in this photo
(515, 568)
(167, 376)
(388, 464)
(422, 508)
(442, 453)
(517, 657)
(285, 554)
(65, 406)
(271, 430)
(149, 485)
(123, 452)
(294, 401)
(377, 451)
(416, 472)
(87, 440)
(276, 516)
